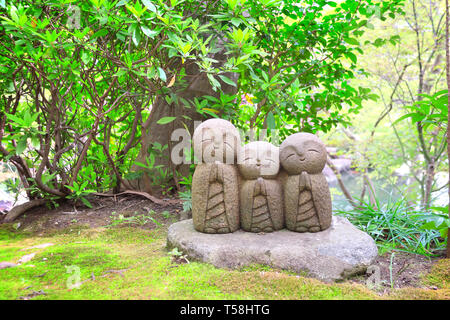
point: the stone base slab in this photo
(334, 254)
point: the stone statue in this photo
(266, 189)
(215, 187)
(261, 199)
(307, 199)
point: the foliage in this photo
(134, 219)
(431, 110)
(186, 197)
(308, 54)
(78, 77)
(437, 220)
(159, 174)
(395, 224)
(409, 77)
(178, 255)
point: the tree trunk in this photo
(429, 178)
(15, 212)
(447, 67)
(152, 181)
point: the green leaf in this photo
(409, 115)
(352, 41)
(165, 120)
(236, 22)
(136, 36)
(35, 142)
(121, 3)
(271, 123)
(213, 81)
(162, 74)
(15, 119)
(21, 145)
(150, 6)
(232, 3)
(227, 80)
(86, 202)
(148, 32)
(100, 33)
(120, 72)
(351, 56)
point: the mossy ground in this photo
(126, 258)
(133, 263)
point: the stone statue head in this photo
(303, 152)
(216, 140)
(259, 159)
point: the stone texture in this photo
(26, 258)
(307, 199)
(333, 254)
(215, 198)
(261, 200)
(215, 185)
(216, 140)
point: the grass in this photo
(396, 226)
(133, 263)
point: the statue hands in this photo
(216, 173)
(260, 187)
(305, 181)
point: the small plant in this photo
(186, 197)
(396, 225)
(436, 221)
(13, 186)
(159, 175)
(178, 255)
(391, 269)
(166, 214)
(79, 192)
(135, 219)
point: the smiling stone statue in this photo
(266, 189)
(307, 198)
(260, 195)
(215, 188)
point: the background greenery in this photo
(79, 100)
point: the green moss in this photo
(10, 253)
(71, 230)
(9, 234)
(255, 267)
(439, 275)
(133, 263)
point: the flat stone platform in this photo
(334, 254)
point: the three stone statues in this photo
(258, 187)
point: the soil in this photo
(407, 269)
(105, 211)
(404, 270)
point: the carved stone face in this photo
(303, 152)
(259, 159)
(216, 140)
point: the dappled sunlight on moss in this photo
(439, 275)
(133, 263)
(276, 285)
